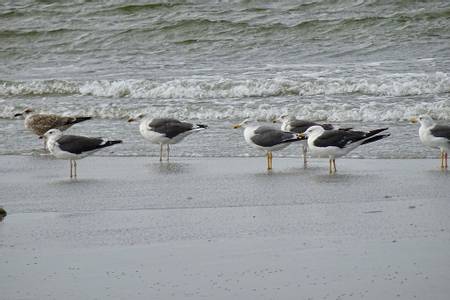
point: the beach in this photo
(213, 223)
(221, 228)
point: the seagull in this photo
(292, 124)
(74, 147)
(39, 124)
(337, 143)
(2, 213)
(435, 136)
(165, 131)
(267, 138)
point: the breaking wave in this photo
(217, 88)
(321, 110)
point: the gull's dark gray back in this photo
(338, 138)
(169, 127)
(162, 122)
(441, 131)
(78, 144)
(300, 126)
(266, 136)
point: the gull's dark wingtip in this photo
(375, 138)
(115, 142)
(81, 119)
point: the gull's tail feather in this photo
(295, 138)
(110, 143)
(375, 131)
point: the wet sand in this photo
(221, 228)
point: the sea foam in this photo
(386, 85)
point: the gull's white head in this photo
(243, 123)
(138, 117)
(53, 134)
(311, 132)
(283, 118)
(25, 112)
(424, 120)
(314, 131)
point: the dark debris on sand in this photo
(2, 213)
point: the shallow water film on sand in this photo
(358, 63)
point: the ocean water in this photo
(363, 64)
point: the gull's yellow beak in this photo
(413, 120)
(237, 126)
(301, 136)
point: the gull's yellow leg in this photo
(442, 159)
(268, 160)
(160, 151)
(75, 168)
(70, 161)
(270, 156)
(334, 165)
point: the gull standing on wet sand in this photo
(292, 124)
(337, 143)
(74, 147)
(165, 131)
(435, 136)
(39, 124)
(267, 138)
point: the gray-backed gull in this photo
(165, 131)
(267, 138)
(74, 147)
(435, 136)
(337, 143)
